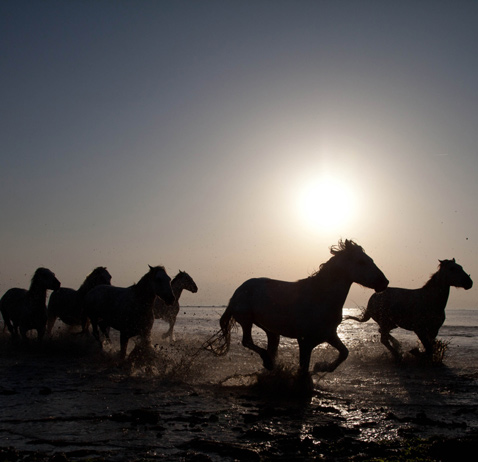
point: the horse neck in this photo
(37, 292)
(330, 283)
(177, 290)
(143, 290)
(437, 292)
(84, 288)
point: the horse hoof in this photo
(268, 364)
(415, 352)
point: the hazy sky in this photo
(187, 134)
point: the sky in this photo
(205, 135)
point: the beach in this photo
(67, 400)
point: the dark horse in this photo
(168, 313)
(419, 310)
(67, 304)
(128, 309)
(309, 310)
(25, 310)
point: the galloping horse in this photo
(309, 310)
(168, 313)
(128, 309)
(419, 310)
(25, 310)
(67, 304)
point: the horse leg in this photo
(305, 351)
(50, 323)
(391, 343)
(96, 332)
(23, 333)
(272, 347)
(248, 343)
(171, 328)
(428, 342)
(170, 333)
(123, 345)
(85, 324)
(40, 333)
(343, 354)
(8, 324)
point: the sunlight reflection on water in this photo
(190, 392)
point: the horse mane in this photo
(175, 278)
(38, 274)
(337, 250)
(90, 278)
(434, 277)
(152, 271)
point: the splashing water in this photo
(178, 399)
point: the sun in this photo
(326, 204)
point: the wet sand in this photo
(65, 400)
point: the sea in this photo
(68, 398)
(459, 332)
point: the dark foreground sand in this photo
(66, 401)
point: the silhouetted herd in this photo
(309, 310)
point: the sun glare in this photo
(326, 204)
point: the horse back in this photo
(20, 308)
(406, 308)
(286, 308)
(13, 303)
(65, 304)
(119, 308)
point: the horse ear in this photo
(441, 261)
(150, 267)
(454, 261)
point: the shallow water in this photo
(181, 402)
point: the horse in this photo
(128, 309)
(169, 312)
(67, 304)
(24, 309)
(308, 310)
(419, 310)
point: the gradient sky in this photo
(184, 133)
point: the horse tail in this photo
(220, 342)
(227, 322)
(363, 318)
(7, 322)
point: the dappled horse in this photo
(25, 310)
(308, 310)
(419, 310)
(182, 281)
(128, 309)
(67, 304)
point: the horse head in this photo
(161, 284)
(359, 267)
(46, 279)
(187, 281)
(452, 274)
(101, 276)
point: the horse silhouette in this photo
(67, 304)
(419, 310)
(182, 281)
(308, 310)
(25, 310)
(128, 309)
